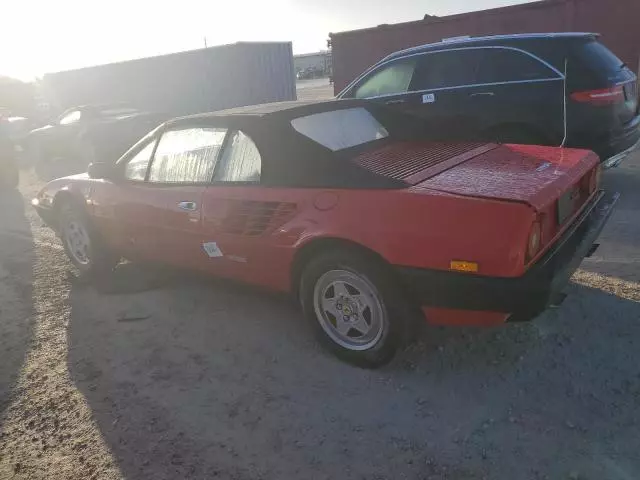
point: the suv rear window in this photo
(340, 129)
(596, 54)
(599, 58)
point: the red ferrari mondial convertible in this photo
(345, 205)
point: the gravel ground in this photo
(162, 376)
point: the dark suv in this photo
(511, 88)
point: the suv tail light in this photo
(600, 98)
(534, 242)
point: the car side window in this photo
(136, 167)
(71, 117)
(241, 160)
(502, 65)
(187, 156)
(446, 69)
(391, 79)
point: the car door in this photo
(181, 169)
(442, 92)
(431, 85)
(515, 88)
(239, 213)
(126, 209)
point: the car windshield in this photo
(340, 129)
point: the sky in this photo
(39, 36)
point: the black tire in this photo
(98, 259)
(373, 273)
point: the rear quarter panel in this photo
(420, 228)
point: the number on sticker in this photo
(428, 98)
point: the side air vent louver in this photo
(249, 217)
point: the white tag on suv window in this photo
(429, 98)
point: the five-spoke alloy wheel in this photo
(354, 306)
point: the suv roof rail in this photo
(458, 37)
(488, 38)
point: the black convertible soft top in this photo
(290, 159)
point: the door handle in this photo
(188, 206)
(395, 102)
(482, 94)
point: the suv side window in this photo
(391, 79)
(502, 65)
(453, 68)
(241, 160)
(136, 167)
(187, 156)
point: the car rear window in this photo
(340, 129)
(599, 58)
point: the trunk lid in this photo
(523, 173)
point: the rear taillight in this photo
(534, 242)
(600, 98)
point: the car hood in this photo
(532, 174)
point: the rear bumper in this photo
(615, 160)
(616, 147)
(522, 298)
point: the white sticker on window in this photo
(429, 98)
(212, 249)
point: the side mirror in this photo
(101, 170)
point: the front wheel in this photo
(82, 245)
(353, 307)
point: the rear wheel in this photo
(353, 307)
(82, 244)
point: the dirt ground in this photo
(315, 89)
(171, 377)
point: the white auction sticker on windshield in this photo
(212, 249)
